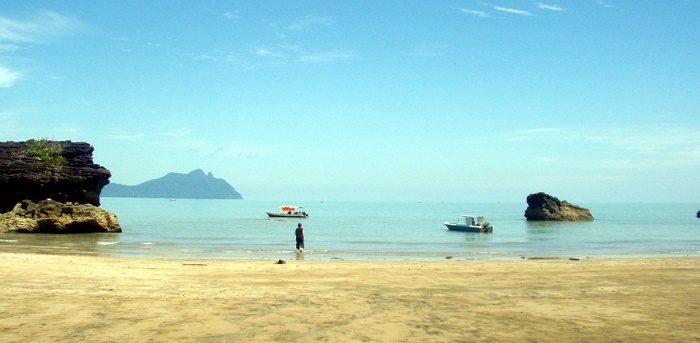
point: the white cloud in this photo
(474, 12)
(177, 133)
(207, 57)
(232, 150)
(604, 4)
(6, 115)
(512, 10)
(282, 53)
(428, 51)
(231, 15)
(533, 134)
(274, 56)
(265, 51)
(664, 141)
(126, 136)
(550, 7)
(39, 27)
(185, 140)
(11, 48)
(308, 22)
(8, 77)
(326, 57)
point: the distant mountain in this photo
(195, 185)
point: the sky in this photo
(455, 101)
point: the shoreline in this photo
(10, 244)
(62, 298)
(312, 255)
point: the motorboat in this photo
(289, 212)
(470, 223)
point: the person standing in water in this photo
(299, 233)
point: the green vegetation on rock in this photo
(48, 153)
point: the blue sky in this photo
(590, 101)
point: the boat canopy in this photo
(293, 209)
(285, 209)
(470, 218)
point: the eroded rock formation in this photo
(542, 206)
(22, 176)
(52, 187)
(49, 216)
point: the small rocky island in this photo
(52, 187)
(542, 206)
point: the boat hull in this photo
(285, 215)
(467, 228)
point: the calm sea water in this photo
(240, 229)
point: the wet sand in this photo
(59, 298)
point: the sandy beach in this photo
(63, 298)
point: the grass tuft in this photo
(48, 153)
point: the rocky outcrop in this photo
(52, 187)
(49, 216)
(76, 179)
(542, 206)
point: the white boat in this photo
(470, 223)
(289, 212)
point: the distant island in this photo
(195, 185)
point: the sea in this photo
(373, 231)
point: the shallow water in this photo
(240, 229)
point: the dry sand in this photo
(49, 298)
